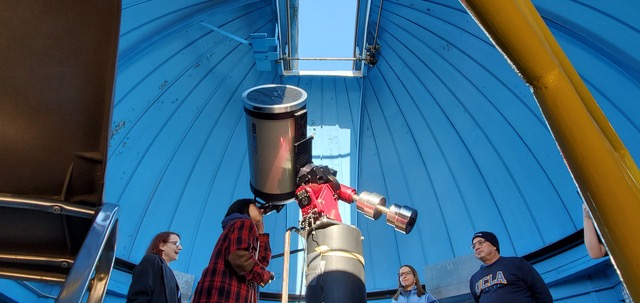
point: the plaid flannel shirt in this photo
(219, 282)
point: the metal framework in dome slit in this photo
(288, 42)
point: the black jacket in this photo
(153, 281)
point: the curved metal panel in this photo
(469, 143)
(441, 123)
(177, 157)
(465, 142)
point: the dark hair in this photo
(420, 289)
(240, 206)
(163, 237)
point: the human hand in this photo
(260, 227)
(271, 278)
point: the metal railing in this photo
(89, 269)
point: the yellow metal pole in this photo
(601, 166)
(585, 95)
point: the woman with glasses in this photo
(239, 259)
(410, 289)
(153, 280)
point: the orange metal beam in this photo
(602, 167)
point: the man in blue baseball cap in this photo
(504, 279)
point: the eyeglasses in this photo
(406, 273)
(473, 246)
(176, 243)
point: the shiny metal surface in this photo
(402, 218)
(272, 118)
(51, 206)
(96, 256)
(43, 260)
(373, 205)
(274, 99)
(285, 264)
(370, 204)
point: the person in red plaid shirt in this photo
(239, 260)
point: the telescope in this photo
(281, 166)
(282, 170)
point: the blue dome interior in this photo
(440, 123)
